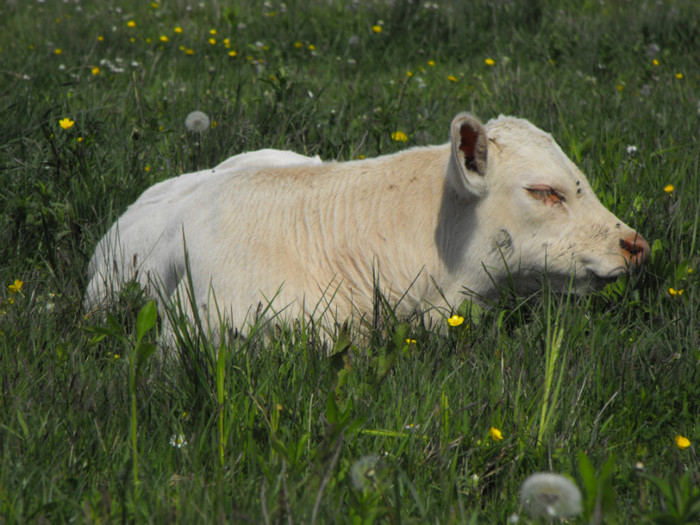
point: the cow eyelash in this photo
(546, 194)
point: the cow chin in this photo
(579, 283)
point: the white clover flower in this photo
(178, 441)
(550, 495)
(363, 472)
(197, 122)
(631, 150)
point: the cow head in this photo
(535, 212)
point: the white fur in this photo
(424, 223)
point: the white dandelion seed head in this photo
(197, 122)
(551, 495)
(363, 472)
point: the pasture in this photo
(410, 423)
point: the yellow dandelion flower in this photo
(431, 63)
(164, 38)
(452, 78)
(131, 23)
(147, 168)
(232, 54)
(155, 5)
(212, 31)
(655, 62)
(679, 76)
(212, 41)
(399, 136)
(620, 88)
(148, 40)
(58, 51)
(495, 434)
(100, 38)
(16, 287)
(278, 407)
(66, 123)
(410, 341)
(682, 442)
(312, 47)
(409, 74)
(178, 30)
(489, 62)
(227, 41)
(189, 52)
(669, 188)
(80, 139)
(455, 320)
(674, 293)
(377, 29)
(298, 45)
(132, 40)
(95, 70)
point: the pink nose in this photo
(635, 250)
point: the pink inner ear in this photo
(467, 144)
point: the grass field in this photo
(411, 425)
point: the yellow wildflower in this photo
(620, 88)
(682, 442)
(66, 123)
(410, 341)
(16, 287)
(409, 74)
(298, 45)
(679, 76)
(377, 29)
(212, 31)
(455, 320)
(452, 78)
(489, 62)
(131, 23)
(399, 136)
(164, 38)
(431, 63)
(673, 292)
(178, 30)
(58, 51)
(669, 188)
(100, 38)
(95, 70)
(212, 41)
(312, 47)
(655, 62)
(189, 52)
(232, 53)
(495, 434)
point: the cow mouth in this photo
(599, 281)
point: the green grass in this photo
(381, 430)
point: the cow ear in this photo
(469, 156)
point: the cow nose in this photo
(635, 249)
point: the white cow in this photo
(500, 203)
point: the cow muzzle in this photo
(635, 250)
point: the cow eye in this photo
(546, 194)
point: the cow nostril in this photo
(635, 249)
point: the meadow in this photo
(409, 424)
